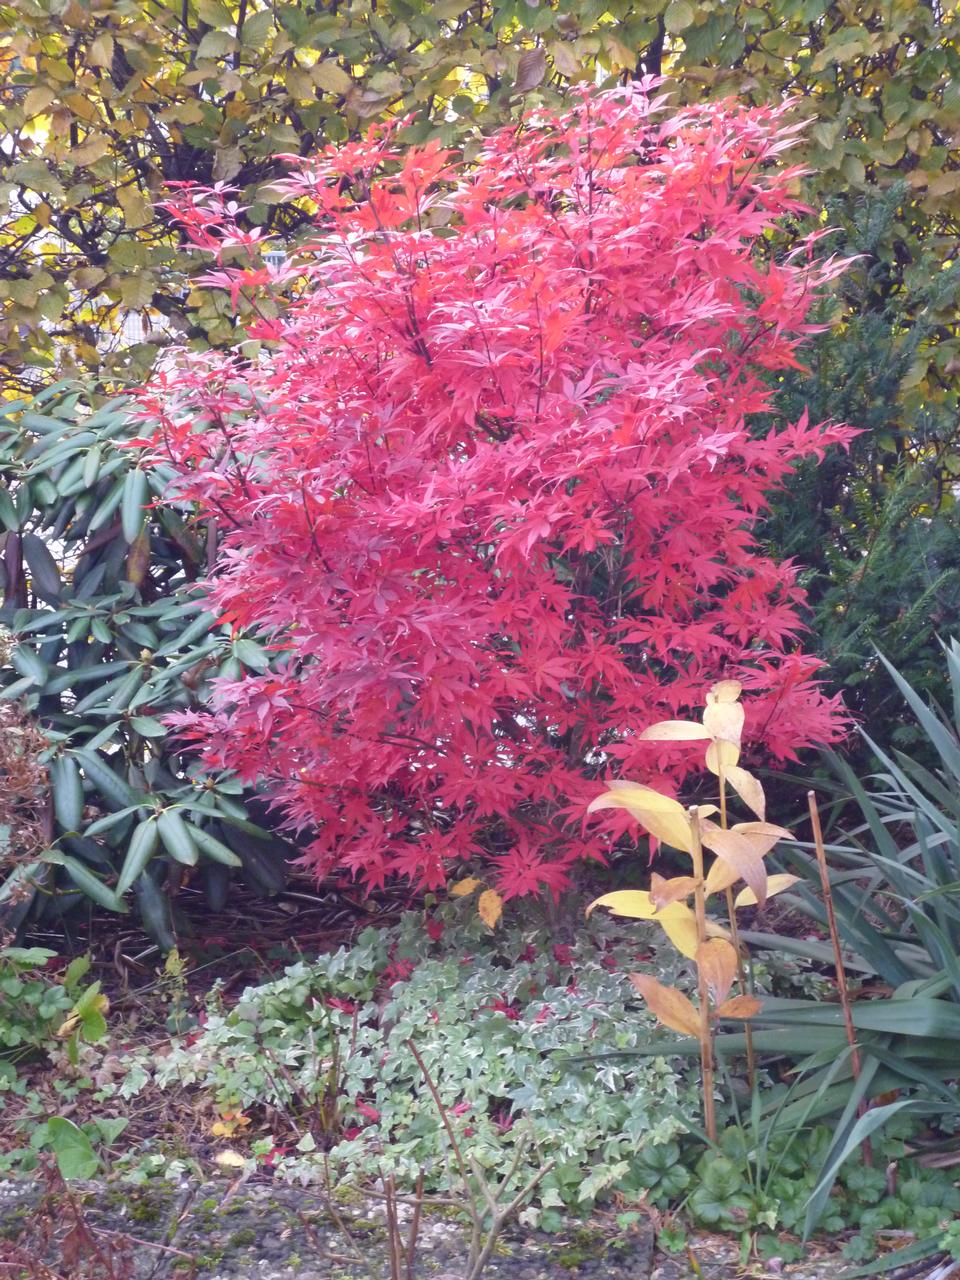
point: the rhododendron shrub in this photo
(491, 483)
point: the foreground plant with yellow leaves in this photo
(739, 856)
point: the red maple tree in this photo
(492, 482)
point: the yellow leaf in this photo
(329, 75)
(663, 892)
(770, 830)
(220, 1130)
(680, 925)
(741, 852)
(740, 1007)
(298, 83)
(674, 731)
(724, 691)
(37, 100)
(717, 962)
(636, 903)
(663, 817)
(748, 788)
(101, 50)
(463, 887)
(671, 1007)
(230, 1159)
(775, 884)
(490, 907)
(565, 60)
(93, 148)
(724, 721)
(676, 920)
(722, 755)
(136, 211)
(720, 876)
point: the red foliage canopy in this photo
(492, 483)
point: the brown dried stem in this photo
(706, 1042)
(837, 953)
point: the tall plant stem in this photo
(837, 951)
(706, 1041)
(735, 939)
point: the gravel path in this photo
(224, 1231)
(211, 1232)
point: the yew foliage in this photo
(492, 488)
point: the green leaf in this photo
(85, 880)
(147, 727)
(213, 847)
(678, 16)
(107, 507)
(29, 663)
(110, 786)
(176, 837)
(154, 907)
(143, 844)
(76, 1158)
(864, 1127)
(8, 512)
(44, 574)
(132, 513)
(91, 466)
(67, 786)
(78, 968)
(111, 1127)
(109, 821)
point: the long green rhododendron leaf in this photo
(491, 482)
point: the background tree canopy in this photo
(105, 103)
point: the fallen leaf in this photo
(463, 887)
(490, 907)
(229, 1159)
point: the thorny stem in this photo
(706, 1044)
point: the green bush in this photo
(109, 636)
(497, 1023)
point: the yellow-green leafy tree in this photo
(105, 102)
